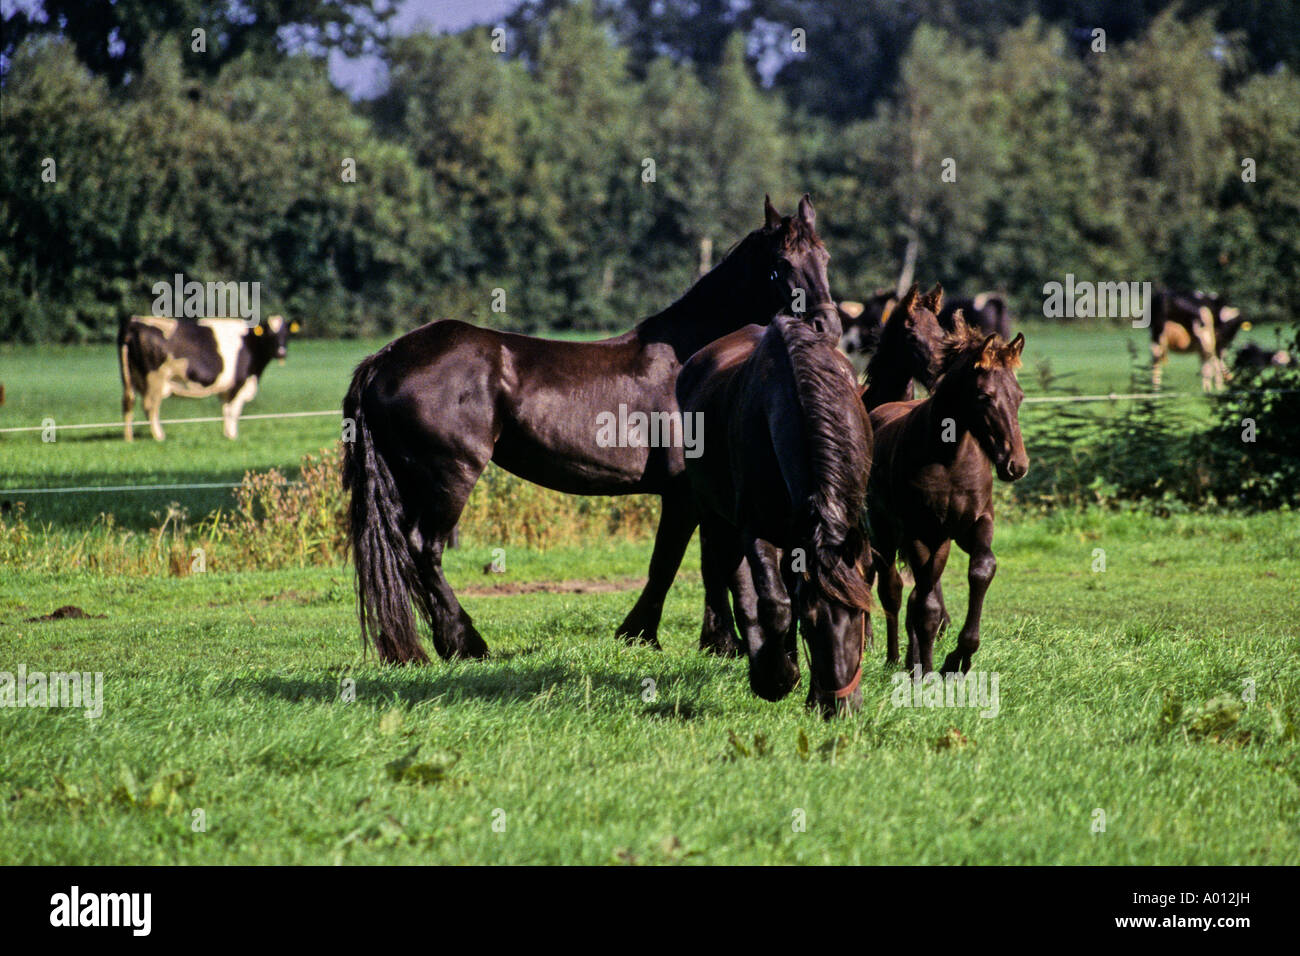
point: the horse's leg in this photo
(454, 633)
(772, 673)
(944, 617)
(677, 522)
(720, 560)
(442, 500)
(790, 582)
(983, 565)
(890, 589)
(924, 607)
(1158, 353)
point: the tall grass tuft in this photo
(279, 521)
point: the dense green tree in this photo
(590, 167)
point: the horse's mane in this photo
(967, 341)
(839, 450)
(799, 233)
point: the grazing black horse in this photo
(787, 448)
(433, 407)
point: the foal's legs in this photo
(722, 566)
(925, 609)
(890, 589)
(979, 545)
(677, 521)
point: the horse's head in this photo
(917, 337)
(833, 603)
(791, 261)
(981, 372)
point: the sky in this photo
(365, 76)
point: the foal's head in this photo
(979, 385)
(913, 337)
(793, 261)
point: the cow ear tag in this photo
(293, 326)
(257, 330)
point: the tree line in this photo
(575, 169)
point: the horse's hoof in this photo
(953, 664)
(721, 647)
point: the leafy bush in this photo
(1151, 453)
(1255, 441)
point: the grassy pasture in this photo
(1120, 690)
(223, 692)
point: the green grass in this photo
(76, 384)
(223, 692)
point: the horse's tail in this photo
(838, 439)
(386, 572)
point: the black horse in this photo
(781, 486)
(433, 407)
(907, 349)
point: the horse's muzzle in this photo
(825, 318)
(1013, 467)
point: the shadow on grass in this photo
(512, 681)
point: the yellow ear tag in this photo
(1245, 326)
(293, 326)
(257, 330)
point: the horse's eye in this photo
(774, 276)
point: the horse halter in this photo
(848, 689)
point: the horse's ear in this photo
(1017, 346)
(806, 211)
(909, 300)
(988, 354)
(933, 300)
(772, 218)
(959, 320)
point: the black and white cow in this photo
(196, 358)
(1194, 322)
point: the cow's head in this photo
(271, 336)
